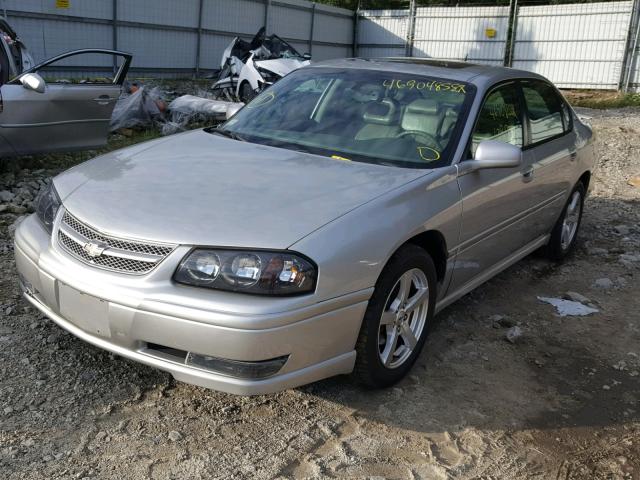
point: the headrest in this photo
(422, 115)
(423, 106)
(381, 113)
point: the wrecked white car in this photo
(247, 68)
(44, 116)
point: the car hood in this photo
(281, 66)
(198, 188)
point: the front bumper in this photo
(129, 315)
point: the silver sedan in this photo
(318, 231)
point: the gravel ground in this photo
(555, 398)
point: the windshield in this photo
(361, 115)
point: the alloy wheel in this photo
(403, 319)
(571, 220)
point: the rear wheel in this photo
(398, 318)
(565, 232)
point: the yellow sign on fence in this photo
(490, 32)
(62, 3)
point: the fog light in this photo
(237, 368)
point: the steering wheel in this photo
(421, 137)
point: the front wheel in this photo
(565, 232)
(246, 92)
(398, 318)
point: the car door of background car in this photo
(66, 116)
(495, 202)
(552, 141)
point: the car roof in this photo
(480, 75)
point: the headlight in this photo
(47, 205)
(257, 272)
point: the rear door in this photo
(66, 116)
(551, 139)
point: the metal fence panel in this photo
(242, 16)
(474, 34)
(329, 28)
(574, 45)
(183, 13)
(102, 9)
(382, 33)
(288, 22)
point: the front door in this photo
(495, 202)
(65, 116)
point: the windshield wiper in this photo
(228, 134)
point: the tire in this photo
(565, 232)
(379, 362)
(246, 92)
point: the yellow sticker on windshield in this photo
(424, 85)
(338, 157)
(262, 100)
(428, 154)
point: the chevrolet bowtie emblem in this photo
(94, 249)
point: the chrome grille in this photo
(115, 254)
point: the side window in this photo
(499, 118)
(544, 109)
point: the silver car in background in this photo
(317, 231)
(57, 115)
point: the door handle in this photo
(573, 154)
(527, 175)
(103, 100)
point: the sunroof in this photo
(429, 61)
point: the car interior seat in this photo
(423, 115)
(380, 119)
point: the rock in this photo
(634, 181)
(621, 365)
(514, 334)
(8, 410)
(4, 207)
(621, 230)
(576, 297)
(101, 435)
(29, 442)
(597, 251)
(175, 436)
(17, 209)
(8, 310)
(629, 260)
(603, 283)
(6, 196)
(606, 387)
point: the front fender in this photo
(352, 250)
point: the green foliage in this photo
(602, 100)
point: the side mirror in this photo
(33, 81)
(306, 56)
(232, 110)
(493, 154)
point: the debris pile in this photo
(142, 106)
(189, 109)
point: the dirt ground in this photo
(562, 402)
